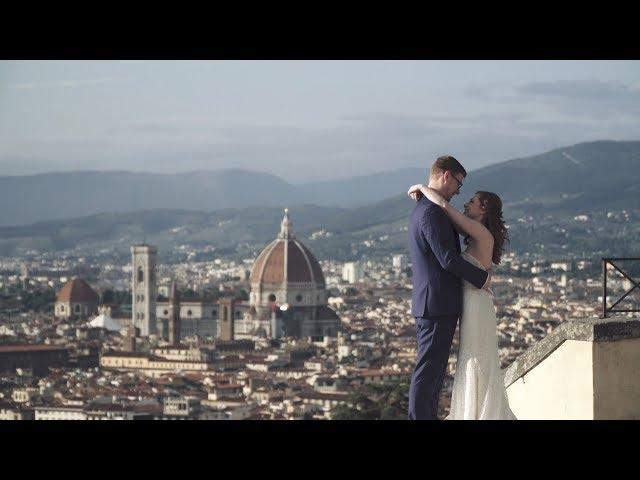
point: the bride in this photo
(478, 386)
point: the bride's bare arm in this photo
(463, 224)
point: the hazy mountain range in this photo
(51, 196)
(193, 207)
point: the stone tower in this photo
(225, 324)
(129, 340)
(143, 288)
(174, 316)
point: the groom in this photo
(436, 301)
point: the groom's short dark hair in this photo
(447, 162)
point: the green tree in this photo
(108, 296)
(242, 295)
(38, 300)
(376, 401)
(350, 292)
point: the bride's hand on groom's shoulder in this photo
(414, 192)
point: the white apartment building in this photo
(352, 272)
(60, 413)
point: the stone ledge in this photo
(584, 329)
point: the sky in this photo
(305, 120)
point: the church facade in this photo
(287, 298)
(196, 317)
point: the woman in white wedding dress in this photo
(478, 386)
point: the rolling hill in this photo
(582, 178)
(54, 196)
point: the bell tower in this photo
(174, 316)
(143, 288)
(226, 330)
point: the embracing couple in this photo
(449, 284)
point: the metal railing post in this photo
(604, 288)
(635, 284)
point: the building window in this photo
(76, 308)
(298, 298)
(140, 275)
(272, 298)
(189, 312)
(214, 313)
(166, 312)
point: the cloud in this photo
(592, 90)
(504, 92)
(69, 83)
(355, 145)
(577, 98)
(22, 164)
(369, 143)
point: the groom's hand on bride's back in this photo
(487, 285)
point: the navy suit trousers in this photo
(434, 335)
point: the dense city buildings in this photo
(36, 358)
(279, 335)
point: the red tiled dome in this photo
(77, 291)
(286, 260)
(301, 265)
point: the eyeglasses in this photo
(458, 181)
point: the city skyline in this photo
(149, 297)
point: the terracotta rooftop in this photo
(323, 396)
(126, 354)
(30, 348)
(77, 291)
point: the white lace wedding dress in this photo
(478, 386)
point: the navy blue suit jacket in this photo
(434, 246)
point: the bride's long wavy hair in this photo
(494, 222)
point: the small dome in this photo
(77, 291)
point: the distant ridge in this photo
(577, 178)
(60, 195)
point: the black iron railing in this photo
(636, 284)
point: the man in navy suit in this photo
(436, 300)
